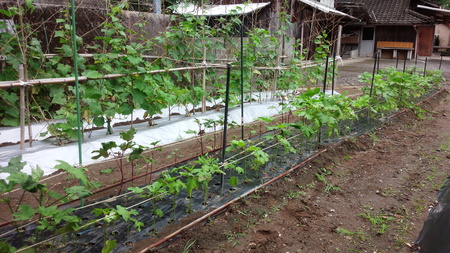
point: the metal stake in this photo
(373, 75)
(225, 124)
(242, 77)
(22, 106)
(425, 67)
(325, 77)
(77, 88)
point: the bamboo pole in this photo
(11, 84)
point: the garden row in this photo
(197, 184)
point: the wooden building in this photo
(395, 28)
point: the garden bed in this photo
(92, 238)
(392, 174)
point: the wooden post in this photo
(338, 45)
(301, 38)
(22, 106)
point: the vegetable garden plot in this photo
(118, 83)
(166, 200)
(246, 170)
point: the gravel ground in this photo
(349, 69)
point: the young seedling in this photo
(174, 186)
(151, 160)
(379, 221)
(328, 186)
(191, 183)
(111, 216)
(174, 154)
(156, 192)
(209, 167)
(111, 149)
(199, 134)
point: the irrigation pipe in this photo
(221, 208)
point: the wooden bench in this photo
(396, 46)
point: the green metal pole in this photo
(242, 78)
(77, 89)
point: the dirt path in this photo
(368, 194)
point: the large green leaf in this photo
(25, 212)
(98, 121)
(122, 211)
(10, 122)
(15, 164)
(76, 192)
(47, 211)
(6, 187)
(37, 173)
(93, 92)
(94, 74)
(77, 172)
(125, 109)
(128, 135)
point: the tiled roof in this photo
(392, 12)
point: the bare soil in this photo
(375, 193)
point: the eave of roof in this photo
(441, 15)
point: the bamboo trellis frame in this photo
(23, 84)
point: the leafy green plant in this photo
(319, 110)
(175, 155)
(45, 211)
(192, 183)
(111, 216)
(395, 89)
(20, 46)
(209, 167)
(174, 186)
(156, 192)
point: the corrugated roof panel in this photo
(324, 8)
(219, 10)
